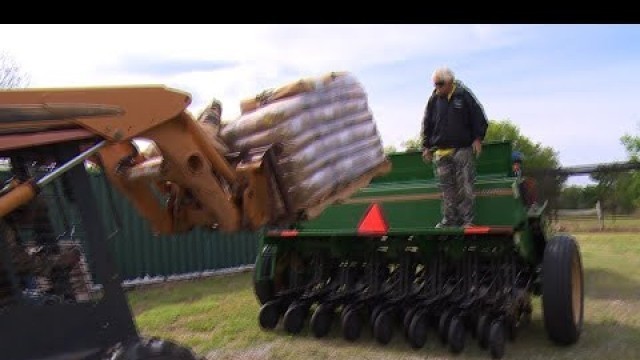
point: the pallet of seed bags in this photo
(327, 133)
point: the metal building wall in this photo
(138, 253)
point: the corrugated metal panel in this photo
(137, 252)
(140, 254)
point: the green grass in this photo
(217, 317)
(205, 314)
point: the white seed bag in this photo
(281, 112)
(287, 130)
(326, 130)
(325, 181)
(295, 173)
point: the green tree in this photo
(536, 155)
(539, 161)
(632, 145)
(571, 197)
(621, 191)
(579, 197)
(414, 144)
(389, 149)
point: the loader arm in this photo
(187, 182)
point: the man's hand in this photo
(427, 155)
(477, 147)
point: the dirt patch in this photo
(258, 353)
(606, 230)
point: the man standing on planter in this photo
(453, 128)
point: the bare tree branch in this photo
(11, 75)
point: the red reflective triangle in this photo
(373, 223)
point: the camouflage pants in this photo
(456, 175)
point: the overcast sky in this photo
(571, 87)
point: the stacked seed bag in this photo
(326, 130)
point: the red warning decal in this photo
(475, 230)
(373, 223)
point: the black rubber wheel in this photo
(345, 309)
(406, 320)
(417, 333)
(562, 290)
(512, 329)
(525, 319)
(154, 349)
(294, 317)
(374, 314)
(269, 315)
(321, 320)
(496, 339)
(483, 327)
(471, 324)
(443, 325)
(351, 325)
(383, 327)
(456, 335)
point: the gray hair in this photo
(443, 73)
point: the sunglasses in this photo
(439, 83)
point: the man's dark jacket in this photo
(459, 122)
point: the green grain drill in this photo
(377, 260)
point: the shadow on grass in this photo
(604, 284)
(598, 341)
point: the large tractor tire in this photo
(562, 290)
